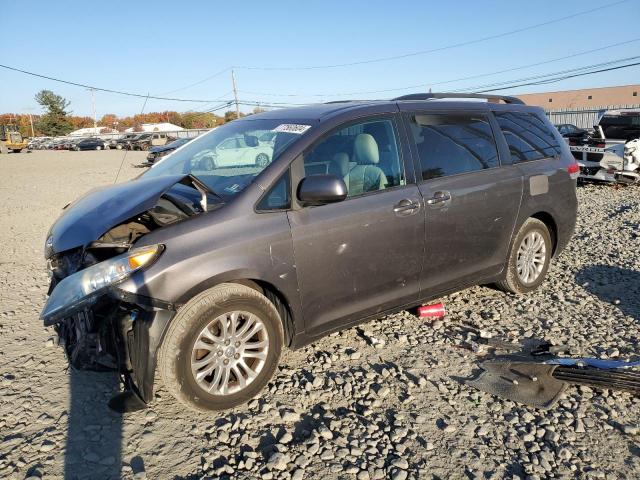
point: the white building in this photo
(157, 127)
(85, 132)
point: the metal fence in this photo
(583, 117)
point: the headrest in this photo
(365, 150)
(339, 165)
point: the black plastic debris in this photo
(535, 376)
(523, 382)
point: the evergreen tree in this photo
(55, 121)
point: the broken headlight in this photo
(82, 288)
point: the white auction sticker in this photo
(292, 128)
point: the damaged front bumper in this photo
(122, 332)
(103, 327)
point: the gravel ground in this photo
(380, 401)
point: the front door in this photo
(471, 201)
(363, 255)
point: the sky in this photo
(164, 48)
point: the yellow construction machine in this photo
(11, 140)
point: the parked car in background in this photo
(363, 208)
(612, 153)
(155, 153)
(122, 142)
(151, 140)
(237, 151)
(91, 143)
(70, 143)
(59, 144)
(620, 124)
(571, 132)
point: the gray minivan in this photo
(205, 271)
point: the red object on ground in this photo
(436, 310)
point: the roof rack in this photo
(430, 96)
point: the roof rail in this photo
(430, 96)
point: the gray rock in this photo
(278, 461)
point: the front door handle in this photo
(439, 197)
(406, 207)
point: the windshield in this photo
(228, 158)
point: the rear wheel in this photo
(98, 147)
(118, 147)
(222, 348)
(529, 258)
(262, 159)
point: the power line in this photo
(119, 92)
(565, 77)
(217, 74)
(440, 49)
(376, 60)
(542, 76)
(444, 82)
(406, 55)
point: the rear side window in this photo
(528, 136)
(450, 144)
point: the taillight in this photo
(574, 170)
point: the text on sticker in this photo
(292, 128)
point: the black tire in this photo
(262, 160)
(118, 147)
(98, 148)
(512, 282)
(174, 356)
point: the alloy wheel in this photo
(532, 255)
(229, 353)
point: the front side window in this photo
(365, 155)
(450, 144)
(278, 196)
(527, 136)
(228, 158)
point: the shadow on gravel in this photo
(94, 432)
(611, 284)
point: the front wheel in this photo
(529, 258)
(222, 348)
(98, 148)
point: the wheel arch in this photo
(550, 223)
(268, 289)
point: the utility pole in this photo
(235, 92)
(29, 109)
(31, 121)
(93, 103)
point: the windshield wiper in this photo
(202, 188)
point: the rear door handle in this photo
(439, 197)
(406, 207)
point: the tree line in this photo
(58, 120)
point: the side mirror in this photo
(321, 189)
(251, 140)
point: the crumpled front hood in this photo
(101, 209)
